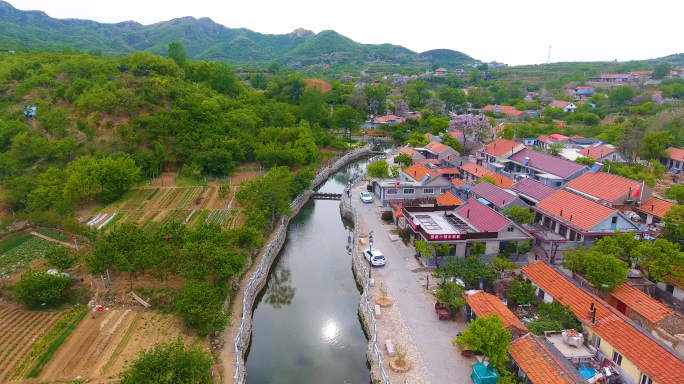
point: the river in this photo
(306, 327)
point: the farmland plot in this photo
(217, 216)
(20, 257)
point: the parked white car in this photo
(366, 197)
(374, 257)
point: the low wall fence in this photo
(258, 280)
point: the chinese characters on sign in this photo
(445, 237)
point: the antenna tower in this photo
(548, 60)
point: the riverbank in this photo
(237, 336)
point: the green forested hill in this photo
(203, 39)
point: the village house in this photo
(461, 226)
(441, 72)
(483, 304)
(566, 106)
(531, 191)
(507, 110)
(415, 155)
(582, 93)
(415, 182)
(653, 210)
(460, 72)
(432, 137)
(550, 170)
(673, 159)
(472, 173)
(495, 197)
(610, 190)
(565, 221)
(543, 142)
(637, 355)
(672, 291)
(602, 152)
(492, 154)
(539, 361)
(613, 78)
(437, 150)
(449, 199)
(642, 74)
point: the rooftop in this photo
(641, 303)
(573, 209)
(656, 207)
(539, 366)
(547, 163)
(477, 171)
(501, 107)
(533, 189)
(448, 171)
(385, 119)
(436, 147)
(568, 351)
(449, 198)
(559, 103)
(408, 151)
(485, 304)
(495, 195)
(675, 153)
(501, 147)
(482, 217)
(605, 186)
(597, 152)
(419, 172)
(457, 182)
(649, 356)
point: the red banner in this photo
(445, 237)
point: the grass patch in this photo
(113, 221)
(202, 217)
(54, 235)
(13, 241)
(182, 181)
(52, 348)
(47, 338)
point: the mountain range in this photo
(204, 40)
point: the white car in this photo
(366, 197)
(374, 257)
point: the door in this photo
(622, 307)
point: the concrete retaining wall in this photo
(271, 251)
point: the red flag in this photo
(636, 192)
(560, 125)
(396, 185)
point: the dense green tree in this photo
(661, 70)
(403, 159)
(169, 363)
(208, 255)
(676, 192)
(200, 304)
(621, 95)
(61, 257)
(487, 335)
(313, 106)
(38, 287)
(449, 140)
(268, 194)
(655, 142)
(554, 317)
(586, 160)
(519, 215)
(451, 293)
(604, 271)
(471, 270)
(521, 292)
(417, 139)
(454, 99)
(347, 118)
(177, 53)
(378, 169)
(674, 225)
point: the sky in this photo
(513, 32)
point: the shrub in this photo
(169, 363)
(37, 287)
(388, 216)
(521, 292)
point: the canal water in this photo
(306, 327)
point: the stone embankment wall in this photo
(260, 277)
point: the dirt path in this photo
(48, 238)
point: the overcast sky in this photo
(514, 32)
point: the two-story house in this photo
(550, 170)
(416, 182)
(610, 190)
(412, 153)
(436, 150)
(495, 197)
(673, 159)
(653, 210)
(472, 173)
(566, 106)
(531, 191)
(566, 220)
(602, 152)
(490, 155)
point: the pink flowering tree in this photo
(401, 109)
(472, 126)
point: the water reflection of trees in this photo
(280, 290)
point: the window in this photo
(428, 191)
(563, 230)
(670, 289)
(511, 228)
(540, 294)
(617, 358)
(645, 379)
(392, 191)
(409, 191)
(614, 157)
(528, 281)
(613, 223)
(557, 183)
(574, 236)
(444, 190)
(596, 341)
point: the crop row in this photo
(133, 201)
(23, 255)
(14, 241)
(175, 215)
(217, 216)
(133, 216)
(188, 197)
(169, 198)
(53, 234)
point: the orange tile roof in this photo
(537, 363)
(597, 152)
(419, 171)
(604, 185)
(485, 304)
(500, 147)
(501, 107)
(512, 112)
(429, 135)
(457, 182)
(578, 211)
(436, 147)
(649, 356)
(656, 207)
(408, 151)
(543, 138)
(449, 198)
(641, 303)
(455, 133)
(675, 153)
(474, 169)
(448, 171)
(386, 118)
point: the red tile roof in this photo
(537, 363)
(429, 135)
(449, 198)
(436, 147)
(493, 194)
(604, 186)
(419, 171)
(448, 171)
(408, 151)
(547, 163)
(543, 138)
(559, 103)
(597, 152)
(457, 182)
(455, 133)
(485, 304)
(578, 211)
(649, 356)
(501, 107)
(384, 119)
(500, 147)
(482, 217)
(426, 161)
(477, 171)
(675, 153)
(532, 188)
(643, 304)
(656, 207)
(641, 72)
(512, 112)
